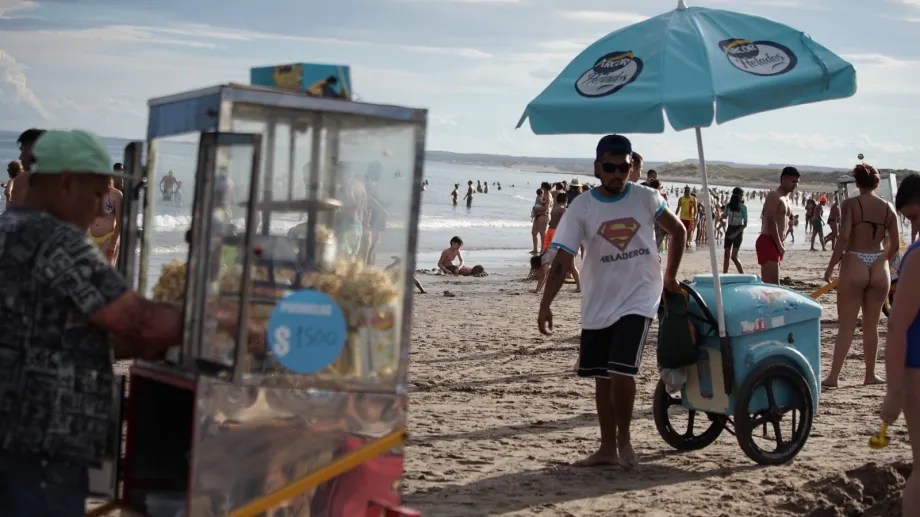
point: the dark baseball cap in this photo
(616, 144)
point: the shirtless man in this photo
(446, 262)
(104, 231)
(169, 183)
(769, 245)
(19, 187)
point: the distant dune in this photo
(720, 172)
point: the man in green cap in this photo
(62, 305)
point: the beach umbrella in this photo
(696, 65)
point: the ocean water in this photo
(495, 230)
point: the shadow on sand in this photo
(510, 431)
(542, 488)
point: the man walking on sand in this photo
(686, 207)
(769, 245)
(616, 224)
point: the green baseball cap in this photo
(75, 151)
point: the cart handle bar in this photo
(334, 469)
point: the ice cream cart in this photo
(760, 382)
(288, 393)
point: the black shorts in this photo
(735, 242)
(616, 349)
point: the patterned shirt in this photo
(56, 379)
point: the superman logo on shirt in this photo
(619, 232)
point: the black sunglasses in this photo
(616, 167)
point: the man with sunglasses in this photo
(622, 287)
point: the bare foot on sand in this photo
(628, 458)
(827, 383)
(873, 380)
(597, 459)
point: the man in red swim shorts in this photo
(769, 245)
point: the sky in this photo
(474, 64)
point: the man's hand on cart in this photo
(671, 284)
(141, 327)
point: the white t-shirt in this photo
(622, 269)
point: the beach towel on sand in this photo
(676, 333)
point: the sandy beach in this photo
(496, 416)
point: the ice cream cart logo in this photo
(749, 327)
(619, 232)
(609, 74)
(758, 57)
(768, 296)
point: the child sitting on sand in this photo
(446, 262)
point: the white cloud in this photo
(888, 147)
(224, 33)
(814, 141)
(447, 2)
(14, 75)
(883, 74)
(823, 142)
(134, 34)
(877, 59)
(771, 3)
(572, 46)
(624, 18)
(440, 120)
(11, 6)
(914, 3)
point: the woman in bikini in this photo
(864, 276)
(543, 204)
(104, 231)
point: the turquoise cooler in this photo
(764, 323)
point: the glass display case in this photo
(290, 248)
(297, 193)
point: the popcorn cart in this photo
(288, 393)
(760, 382)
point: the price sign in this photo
(306, 331)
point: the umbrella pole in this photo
(710, 231)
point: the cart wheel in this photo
(784, 422)
(699, 428)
